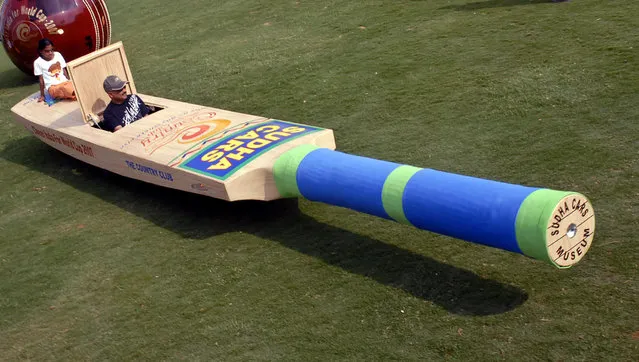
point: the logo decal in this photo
(185, 128)
(222, 159)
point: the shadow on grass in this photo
(14, 77)
(193, 216)
(478, 5)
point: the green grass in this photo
(98, 267)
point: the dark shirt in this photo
(132, 109)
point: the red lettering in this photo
(145, 142)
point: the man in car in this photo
(124, 108)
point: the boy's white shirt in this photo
(41, 67)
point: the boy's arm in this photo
(63, 62)
(41, 99)
(38, 73)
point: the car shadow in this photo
(478, 5)
(189, 215)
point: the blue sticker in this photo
(223, 158)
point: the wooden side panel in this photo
(88, 73)
(170, 147)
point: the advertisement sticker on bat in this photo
(223, 158)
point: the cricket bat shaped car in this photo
(234, 156)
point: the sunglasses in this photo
(121, 91)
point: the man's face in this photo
(47, 53)
(118, 96)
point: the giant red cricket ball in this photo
(76, 27)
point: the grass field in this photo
(98, 267)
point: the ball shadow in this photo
(14, 78)
(457, 290)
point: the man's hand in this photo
(41, 99)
